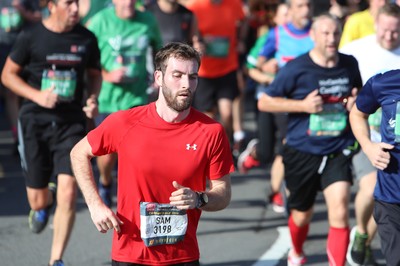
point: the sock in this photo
(298, 234)
(336, 246)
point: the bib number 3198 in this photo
(161, 224)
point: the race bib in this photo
(133, 64)
(63, 80)
(10, 19)
(216, 46)
(332, 121)
(162, 224)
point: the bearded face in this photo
(178, 101)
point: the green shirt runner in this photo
(124, 43)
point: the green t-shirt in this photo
(124, 43)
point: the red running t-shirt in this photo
(151, 154)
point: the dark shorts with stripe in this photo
(44, 148)
(306, 174)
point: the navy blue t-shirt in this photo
(383, 90)
(327, 132)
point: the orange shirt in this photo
(218, 27)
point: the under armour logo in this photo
(193, 147)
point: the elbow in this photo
(4, 79)
(262, 104)
(226, 199)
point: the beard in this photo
(172, 99)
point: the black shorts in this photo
(45, 147)
(117, 263)
(210, 90)
(387, 217)
(281, 120)
(306, 174)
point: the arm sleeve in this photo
(366, 99)
(20, 51)
(284, 82)
(94, 57)
(221, 160)
(105, 138)
(269, 48)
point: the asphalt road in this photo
(247, 233)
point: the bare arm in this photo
(11, 79)
(311, 104)
(94, 84)
(260, 77)
(377, 153)
(219, 195)
(102, 216)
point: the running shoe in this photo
(369, 259)
(105, 194)
(246, 160)
(276, 199)
(238, 139)
(294, 260)
(38, 219)
(357, 249)
(58, 263)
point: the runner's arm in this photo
(103, 217)
(11, 79)
(377, 153)
(219, 194)
(312, 103)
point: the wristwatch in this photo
(202, 199)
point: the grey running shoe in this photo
(369, 259)
(38, 219)
(357, 249)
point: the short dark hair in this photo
(392, 10)
(177, 50)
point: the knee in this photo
(301, 218)
(338, 217)
(66, 196)
(38, 199)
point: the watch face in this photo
(202, 199)
(205, 198)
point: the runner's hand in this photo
(47, 98)
(313, 102)
(115, 76)
(183, 197)
(378, 154)
(91, 109)
(104, 218)
(351, 99)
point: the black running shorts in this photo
(210, 90)
(45, 147)
(387, 217)
(306, 174)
